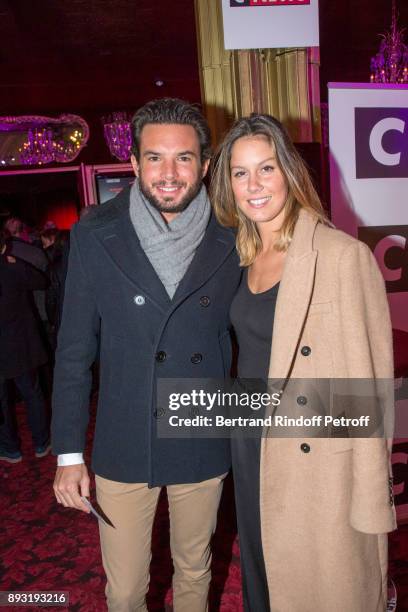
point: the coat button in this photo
(139, 300)
(302, 400)
(161, 356)
(204, 301)
(305, 350)
(196, 358)
(305, 448)
(158, 413)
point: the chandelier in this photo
(36, 140)
(116, 130)
(390, 65)
(44, 146)
(38, 148)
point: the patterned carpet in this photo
(45, 547)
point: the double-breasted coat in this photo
(114, 297)
(326, 504)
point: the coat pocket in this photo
(339, 445)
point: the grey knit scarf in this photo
(170, 247)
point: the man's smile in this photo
(168, 189)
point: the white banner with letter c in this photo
(368, 134)
(269, 24)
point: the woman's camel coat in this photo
(326, 504)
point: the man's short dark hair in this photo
(171, 111)
(49, 233)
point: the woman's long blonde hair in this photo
(301, 192)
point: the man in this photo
(21, 247)
(22, 352)
(48, 237)
(151, 275)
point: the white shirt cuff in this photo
(70, 459)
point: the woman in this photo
(311, 305)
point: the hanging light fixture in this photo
(43, 146)
(390, 64)
(38, 148)
(37, 140)
(116, 130)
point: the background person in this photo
(311, 304)
(22, 352)
(48, 237)
(54, 296)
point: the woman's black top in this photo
(252, 316)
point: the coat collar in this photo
(119, 239)
(217, 244)
(295, 292)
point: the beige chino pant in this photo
(126, 550)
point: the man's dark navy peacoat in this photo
(114, 296)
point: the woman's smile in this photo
(259, 202)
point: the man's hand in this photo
(70, 483)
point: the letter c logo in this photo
(380, 251)
(376, 137)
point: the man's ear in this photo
(204, 168)
(135, 165)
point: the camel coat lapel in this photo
(294, 296)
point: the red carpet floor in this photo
(46, 547)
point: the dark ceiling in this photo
(94, 56)
(98, 55)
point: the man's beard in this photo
(165, 205)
